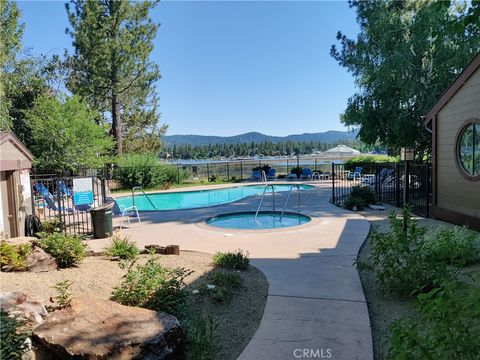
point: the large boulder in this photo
(40, 261)
(91, 328)
(18, 304)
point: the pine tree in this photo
(111, 68)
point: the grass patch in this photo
(67, 250)
(122, 248)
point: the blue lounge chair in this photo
(256, 175)
(52, 206)
(306, 173)
(42, 189)
(357, 173)
(63, 189)
(272, 174)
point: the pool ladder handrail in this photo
(263, 195)
(288, 198)
(144, 193)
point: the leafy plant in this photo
(297, 170)
(67, 250)
(447, 327)
(266, 168)
(360, 197)
(401, 259)
(122, 248)
(226, 282)
(361, 159)
(201, 340)
(54, 225)
(237, 260)
(454, 245)
(153, 286)
(14, 256)
(64, 294)
(12, 340)
(145, 170)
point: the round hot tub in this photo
(263, 221)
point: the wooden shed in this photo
(15, 191)
(454, 121)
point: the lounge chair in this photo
(52, 206)
(42, 189)
(357, 173)
(256, 175)
(63, 189)
(306, 173)
(124, 212)
(272, 174)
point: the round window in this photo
(468, 149)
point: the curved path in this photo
(315, 306)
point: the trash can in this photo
(102, 221)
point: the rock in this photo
(40, 261)
(22, 240)
(172, 250)
(91, 328)
(158, 249)
(376, 207)
(18, 304)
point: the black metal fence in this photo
(53, 198)
(393, 183)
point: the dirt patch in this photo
(97, 276)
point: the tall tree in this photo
(111, 66)
(405, 56)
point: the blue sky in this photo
(232, 67)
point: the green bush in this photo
(122, 248)
(454, 245)
(361, 159)
(145, 170)
(266, 168)
(237, 260)
(153, 286)
(200, 334)
(12, 340)
(64, 293)
(297, 170)
(52, 226)
(14, 256)
(67, 250)
(360, 197)
(226, 282)
(401, 260)
(447, 326)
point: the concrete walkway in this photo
(315, 306)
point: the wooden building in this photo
(454, 121)
(15, 193)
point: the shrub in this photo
(67, 250)
(361, 159)
(454, 245)
(266, 168)
(64, 294)
(12, 340)
(145, 170)
(297, 170)
(201, 340)
(232, 260)
(153, 286)
(401, 260)
(447, 326)
(360, 197)
(52, 226)
(122, 248)
(226, 282)
(14, 256)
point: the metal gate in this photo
(68, 200)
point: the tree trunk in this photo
(117, 124)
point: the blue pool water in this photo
(264, 220)
(198, 199)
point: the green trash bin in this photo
(102, 221)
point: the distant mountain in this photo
(195, 140)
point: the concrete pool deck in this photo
(315, 303)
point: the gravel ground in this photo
(237, 321)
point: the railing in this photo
(263, 196)
(144, 194)
(288, 198)
(388, 181)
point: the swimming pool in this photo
(199, 198)
(264, 220)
